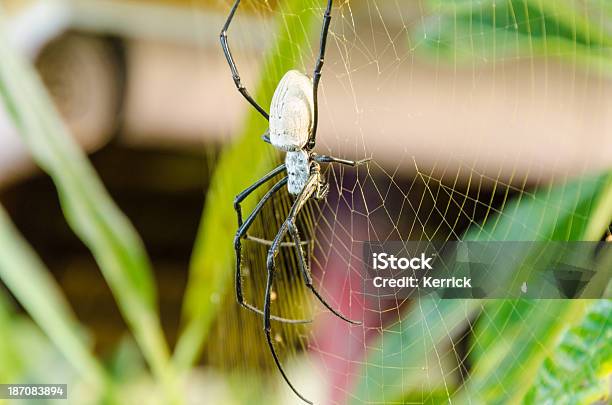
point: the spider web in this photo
(457, 125)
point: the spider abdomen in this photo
(298, 170)
(291, 112)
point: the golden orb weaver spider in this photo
(293, 123)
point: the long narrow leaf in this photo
(29, 281)
(11, 364)
(576, 210)
(89, 210)
(516, 346)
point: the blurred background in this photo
(488, 120)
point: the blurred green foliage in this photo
(88, 209)
(577, 370)
(32, 284)
(467, 31)
(508, 336)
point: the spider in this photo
(292, 129)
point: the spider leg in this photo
(232, 64)
(307, 274)
(244, 194)
(242, 231)
(331, 159)
(299, 202)
(316, 77)
(267, 327)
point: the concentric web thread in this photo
(425, 182)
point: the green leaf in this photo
(578, 370)
(30, 282)
(575, 210)
(508, 338)
(488, 31)
(509, 349)
(11, 363)
(239, 165)
(88, 208)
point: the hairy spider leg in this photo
(299, 202)
(232, 64)
(242, 231)
(295, 235)
(316, 77)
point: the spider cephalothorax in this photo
(293, 126)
